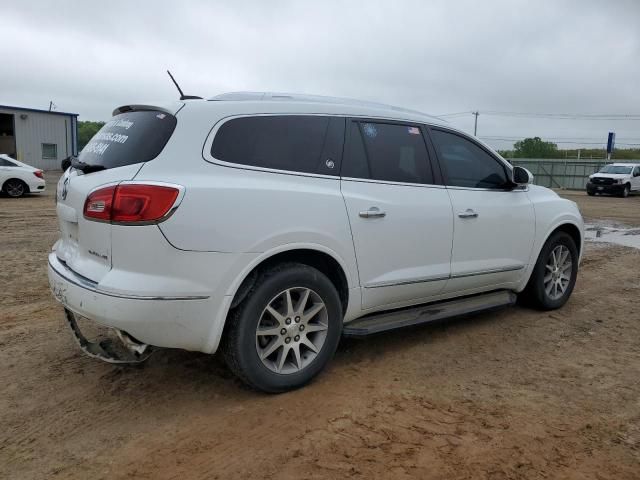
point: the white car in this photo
(18, 179)
(617, 178)
(269, 225)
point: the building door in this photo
(7, 135)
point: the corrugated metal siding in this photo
(562, 173)
(38, 128)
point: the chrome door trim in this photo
(513, 268)
(389, 182)
(521, 188)
(407, 282)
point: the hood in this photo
(610, 175)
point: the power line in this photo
(457, 114)
(512, 139)
(567, 116)
(562, 116)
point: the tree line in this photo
(538, 148)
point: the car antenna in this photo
(182, 95)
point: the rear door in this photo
(114, 154)
(494, 224)
(400, 217)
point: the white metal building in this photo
(39, 138)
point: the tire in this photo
(247, 353)
(15, 188)
(535, 293)
(590, 193)
(625, 192)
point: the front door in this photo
(401, 221)
(494, 225)
(635, 178)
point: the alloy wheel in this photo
(558, 271)
(15, 189)
(292, 330)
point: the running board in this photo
(407, 317)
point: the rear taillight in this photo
(130, 203)
(39, 174)
(97, 206)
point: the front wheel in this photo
(626, 191)
(590, 193)
(286, 330)
(554, 274)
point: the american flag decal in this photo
(414, 130)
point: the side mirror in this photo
(522, 176)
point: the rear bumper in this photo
(597, 188)
(164, 321)
(36, 185)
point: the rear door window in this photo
(387, 151)
(128, 138)
(297, 143)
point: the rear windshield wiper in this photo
(86, 167)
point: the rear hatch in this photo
(115, 154)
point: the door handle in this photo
(468, 213)
(373, 212)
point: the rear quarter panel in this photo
(238, 210)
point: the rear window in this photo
(128, 138)
(298, 143)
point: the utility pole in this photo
(50, 105)
(475, 124)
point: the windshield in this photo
(615, 169)
(128, 138)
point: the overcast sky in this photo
(435, 56)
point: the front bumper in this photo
(615, 189)
(155, 320)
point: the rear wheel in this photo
(286, 330)
(554, 274)
(15, 188)
(590, 193)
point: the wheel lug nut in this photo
(297, 319)
(287, 321)
(301, 328)
(283, 331)
(296, 338)
(287, 340)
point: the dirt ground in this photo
(506, 395)
(598, 207)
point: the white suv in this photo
(270, 225)
(617, 178)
